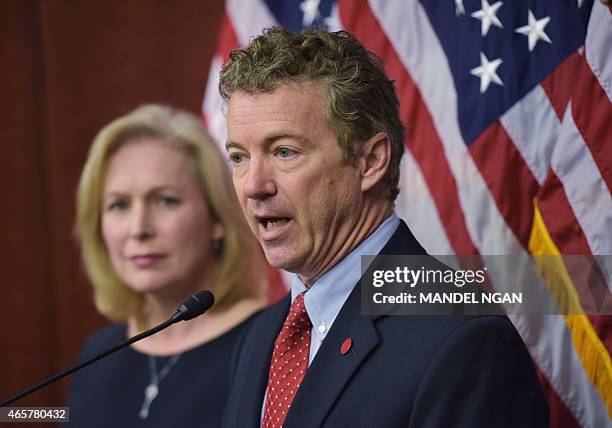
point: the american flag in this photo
(509, 146)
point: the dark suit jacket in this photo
(408, 371)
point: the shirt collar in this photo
(326, 296)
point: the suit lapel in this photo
(402, 242)
(330, 371)
(259, 354)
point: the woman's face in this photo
(155, 223)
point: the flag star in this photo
(459, 8)
(535, 30)
(310, 9)
(488, 16)
(487, 72)
(333, 22)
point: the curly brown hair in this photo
(361, 100)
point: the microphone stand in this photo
(195, 305)
(91, 360)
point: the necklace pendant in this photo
(152, 389)
(150, 394)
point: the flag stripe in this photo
(562, 366)
(508, 178)
(592, 113)
(248, 18)
(533, 128)
(431, 158)
(277, 290)
(228, 39)
(558, 84)
(577, 171)
(560, 415)
(435, 168)
(602, 324)
(597, 46)
(212, 107)
(415, 199)
(559, 218)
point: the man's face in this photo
(300, 198)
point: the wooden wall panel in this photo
(26, 333)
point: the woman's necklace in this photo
(155, 378)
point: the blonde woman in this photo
(157, 220)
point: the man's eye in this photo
(236, 158)
(285, 152)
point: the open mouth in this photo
(272, 223)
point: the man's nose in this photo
(141, 224)
(259, 182)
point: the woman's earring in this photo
(217, 246)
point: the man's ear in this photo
(374, 160)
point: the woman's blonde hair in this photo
(240, 271)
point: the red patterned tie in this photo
(289, 364)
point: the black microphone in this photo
(194, 306)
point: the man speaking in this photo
(315, 141)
